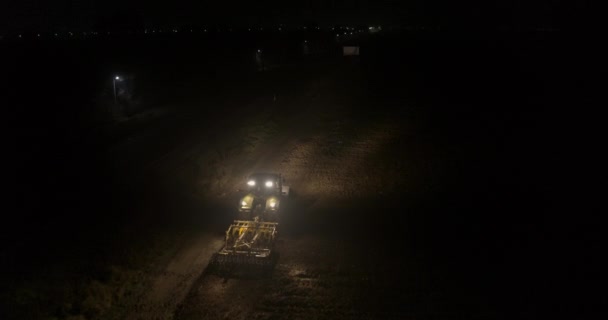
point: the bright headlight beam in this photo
(251, 182)
(243, 203)
(269, 184)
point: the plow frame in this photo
(241, 238)
(248, 248)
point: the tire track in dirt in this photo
(171, 286)
(314, 279)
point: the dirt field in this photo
(410, 198)
(343, 249)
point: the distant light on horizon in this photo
(72, 34)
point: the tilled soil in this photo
(172, 285)
(344, 250)
(396, 211)
(335, 262)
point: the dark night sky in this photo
(18, 15)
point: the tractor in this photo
(263, 197)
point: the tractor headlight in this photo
(244, 203)
(251, 182)
(269, 184)
(273, 204)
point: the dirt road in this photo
(169, 288)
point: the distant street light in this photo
(116, 78)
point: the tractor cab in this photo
(265, 184)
